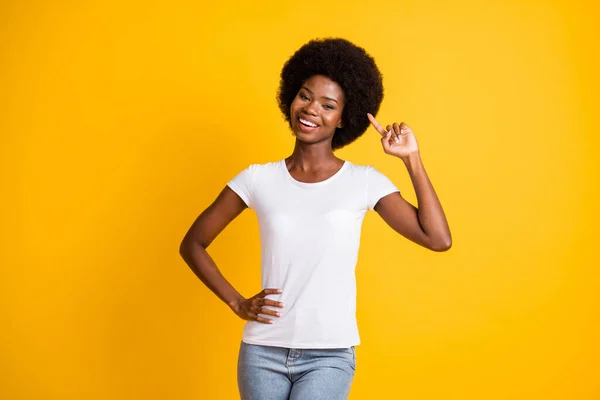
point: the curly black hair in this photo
(348, 65)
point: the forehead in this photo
(322, 84)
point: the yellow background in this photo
(121, 121)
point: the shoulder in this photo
(258, 171)
(360, 170)
(267, 166)
(261, 167)
(369, 175)
(252, 178)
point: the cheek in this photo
(295, 102)
(294, 106)
(335, 119)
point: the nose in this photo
(310, 108)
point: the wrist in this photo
(235, 304)
(412, 159)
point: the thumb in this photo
(385, 141)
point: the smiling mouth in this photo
(307, 123)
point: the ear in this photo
(340, 124)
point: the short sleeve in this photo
(378, 186)
(243, 184)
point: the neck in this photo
(312, 156)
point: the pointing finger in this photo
(376, 125)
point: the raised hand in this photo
(397, 139)
(249, 309)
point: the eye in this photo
(303, 96)
(328, 107)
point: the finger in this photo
(259, 309)
(263, 320)
(396, 136)
(269, 302)
(385, 141)
(404, 129)
(390, 128)
(376, 125)
(268, 311)
(269, 291)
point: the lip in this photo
(306, 128)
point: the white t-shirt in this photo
(310, 235)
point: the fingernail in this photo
(270, 321)
(278, 314)
(281, 305)
(279, 290)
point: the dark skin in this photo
(316, 112)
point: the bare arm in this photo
(203, 231)
(425, 225)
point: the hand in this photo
(249, 309)
(397, 140)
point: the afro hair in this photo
(350, 67)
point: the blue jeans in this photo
(279, 373)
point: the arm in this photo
(425, 225)
(203, 231)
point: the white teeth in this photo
(305, 122)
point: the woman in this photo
(299, 340)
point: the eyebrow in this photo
(325, 97)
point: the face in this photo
(316, 111)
